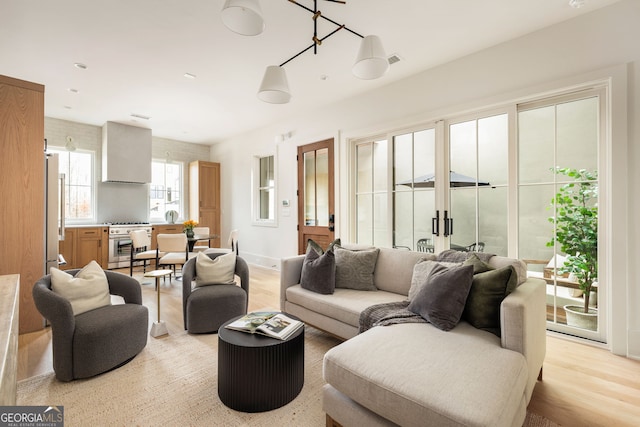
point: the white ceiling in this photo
(137, 52)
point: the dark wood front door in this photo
(316, 218)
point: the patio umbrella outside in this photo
(455, 179)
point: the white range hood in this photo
(126, 153)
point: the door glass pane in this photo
(381, 235)
(403, 219)
(364, 220)
(380, 177)
(479, 184)
(322, 187)
(403, 162)
(536, 136)
(364, 180)
(310, 217)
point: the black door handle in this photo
(446, 223)
(435, 224)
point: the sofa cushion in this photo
(394, 371)
(344, 305)
(87, 290)
(319, 272)
(488, 289)
(442, 299)
(217, 271)
(354, 269)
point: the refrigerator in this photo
(54, 212)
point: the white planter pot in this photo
(577, 318)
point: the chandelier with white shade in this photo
(245, 17)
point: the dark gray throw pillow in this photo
(488, 289)
(479, 266)
(441, 300)
(354, 269)
(319, 272)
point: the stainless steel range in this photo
(120, 242)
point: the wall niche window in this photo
(264, 190)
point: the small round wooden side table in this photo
(258, 373)
(158, 328)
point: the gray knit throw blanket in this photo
(385, 314)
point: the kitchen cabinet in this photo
(204, 196)
(22, 181)
(84, 244)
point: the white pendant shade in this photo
(274, 88)
(243, 17)
(371, 62)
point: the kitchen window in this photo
(78, 167)
(264, 190)
(166, 190)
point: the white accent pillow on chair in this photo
(218, 271)
(89, 289)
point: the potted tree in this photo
(576, 225)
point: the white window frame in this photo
(61, 151)
(182, 208)
(255, 192)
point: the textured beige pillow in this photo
(218, 271)
(86, 291)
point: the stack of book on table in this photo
(272, 324)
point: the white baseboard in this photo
(261, 260)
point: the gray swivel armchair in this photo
(206, 308)
(98, 340)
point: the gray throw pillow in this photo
(451, 255)
(441, 300)
(354, 269)
(319, 272)
(488, 289)
(421, 272)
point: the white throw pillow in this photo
(89, 289)
(218, 271)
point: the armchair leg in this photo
(540, 374)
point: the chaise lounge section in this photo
(414, 374)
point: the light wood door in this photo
(204, 196)
(22, 188)
(316, 214)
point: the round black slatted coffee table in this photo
(257, 373)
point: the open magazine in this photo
(275, 325)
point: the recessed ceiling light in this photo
(80, 65)
(72, 90)
(324, 77)
(140, 116)
(190, 76)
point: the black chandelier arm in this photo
(314, 12)
(313, 45)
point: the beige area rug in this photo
(173, 381)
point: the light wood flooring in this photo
(583, 385)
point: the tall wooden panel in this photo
(22, 189)
(204, 196)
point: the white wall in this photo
(593, 47)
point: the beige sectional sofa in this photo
(413, 374)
